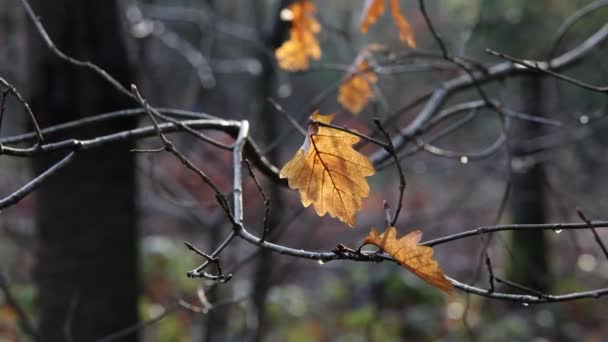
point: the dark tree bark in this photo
(529, 264)
(86, 215)
(273, 37)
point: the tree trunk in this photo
(529, 264)
(273, 37)
(86, 215)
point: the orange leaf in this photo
(328, 172)
(357, 88)
(375, 8)
(294, 54)
(406, 250)
(406, 34)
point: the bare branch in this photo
(595, 234)
(439, 96)
(545, 67)
(391, 149)
(26, 107)
(266, 199)
(34, 183)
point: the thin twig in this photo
(353, 132)
(171, 148)
(546, 67)
(107, 77)
(211, 259)
(237, 217)
(310, 106)
(51, 45)
(266, 200)
(35, 183)
(522, 287)
(438, 97)
(26, 107)
(103, 117)
(446, 55)
(596, 236)
(391, 150)
(573, 19)
(3, 96)
(286, 115)
(180, 304)
(139, 326)
(200, 121)
(490, 272)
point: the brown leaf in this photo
(375, 8)
(294, 54)
(372, 10)
(406, 250)
(406, 34)
(328, 172)
(357, 88)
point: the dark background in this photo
(101, 243)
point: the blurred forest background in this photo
(102, 242)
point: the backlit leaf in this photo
(294, 54)
(375, 8)
(372, 10)
(406, 250)
(328, 172)
(406, 34)
(357, 88)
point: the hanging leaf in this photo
(328, 172)
(406, 34)
(375, 8)
(372, 10)
(357, 87)
(406, 250)
(294, 54)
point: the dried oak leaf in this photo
(406, 34)
(375, 8)
(357, 88)
(328, 172)
(406, 250)
(371, 12)
(294, 54)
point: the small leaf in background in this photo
(302, 45)
(357, 88)
(375, 8)
(417, 259)
(328, 172)
(371, 12)
(406, 34)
